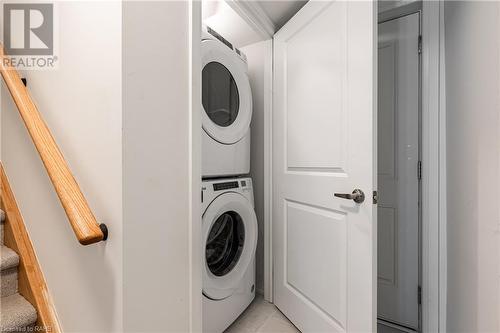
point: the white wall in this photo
(259, 57)
(472, 39)
(162, 171)
(81, 102)
(141, 174)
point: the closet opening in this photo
(320, 179)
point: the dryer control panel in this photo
(208, 31)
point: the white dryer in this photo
(227, 108)
(229, 231)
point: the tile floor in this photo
(262, 317)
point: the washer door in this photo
(226, 94)
(229, 241)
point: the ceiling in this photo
(281, 11)
(221, 16)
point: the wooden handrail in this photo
(81, 218)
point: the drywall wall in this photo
(472, 37)
(162, 166)
(136, 156)
(259, 57)
(81, 103)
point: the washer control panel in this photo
(210, 189)
(225, 185)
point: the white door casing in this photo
(398, 155)
(323, 143)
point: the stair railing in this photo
(80, 216)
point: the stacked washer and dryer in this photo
(229, 224)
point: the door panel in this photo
(398, 154)
(323, 130)
(386, 245)
(324, 236)
(316, 140)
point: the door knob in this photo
(357, 196)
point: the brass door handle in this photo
(357, 196)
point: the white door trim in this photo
(434, 175)
(433, 169)
(268, 177)
(195, 225)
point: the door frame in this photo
(389, 15)
(434, 258)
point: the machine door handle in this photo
(357, 196)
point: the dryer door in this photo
(226, 93)
(229, 240)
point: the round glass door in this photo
(226, 93)
(220, 96)
(229, 243)
(225, 243)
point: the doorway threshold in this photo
(388, 327)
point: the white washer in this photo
(229, 231)
(227, 108)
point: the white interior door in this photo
(323, 143)
(398, 155)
